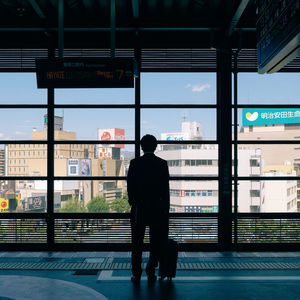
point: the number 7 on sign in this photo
(121, 72)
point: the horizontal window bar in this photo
(94, 106)
(7, 142)
(257, 178)
(266, 142)
(19, 215)
(178, 106)
(79, 142)
(127, 215)
(25, 178)
(125, 178)
(98, 215)
(266, 105)
(188, 142)
(194, 178)
(89, 178)
(289, 215)
(3, 106)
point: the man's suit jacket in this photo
(148, 185)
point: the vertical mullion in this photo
(224, 136)
(50, 164)
(137, 69)
(235, 182)
(61, 28)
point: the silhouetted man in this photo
(149, 198)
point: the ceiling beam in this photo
(95, 29)
(135, 8)
(236, 17)
(37, 9)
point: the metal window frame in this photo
(50, 216)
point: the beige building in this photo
(283, 156)
(31, 160)
(2, 162)
(275, 154)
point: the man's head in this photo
(148, 143)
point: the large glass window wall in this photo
(65, 154)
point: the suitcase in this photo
(168, 261)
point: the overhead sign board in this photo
(269, 116)
(84, 73)
(278, 34)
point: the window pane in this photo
(179, 124)
(23, 159)
(267, 196)
(94, 96)
(193, 196)
(269, 124)
(277, 88)
(95, 124)
(94, 196)
(184, 230)
(92, 160)
(267, 230)
(94, 231)
(190, 160)
(21, 88)
(23, 231)
(178, 88)
(23, 124)
(28, 196)
(268, 159)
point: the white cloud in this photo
(20, 133)
(27, 121)
(197, 87)
(200, 88)
(1, 134)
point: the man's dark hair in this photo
(148, 143)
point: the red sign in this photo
(3, 204)
(182, 193)
(105, 136)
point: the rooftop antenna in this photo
(184, 115)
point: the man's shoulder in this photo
(141, 159)
(160, 160)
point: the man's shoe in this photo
(151, 278)
(135, 279)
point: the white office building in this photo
(202, 160)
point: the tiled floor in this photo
(115, 284)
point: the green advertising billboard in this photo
(270, 116)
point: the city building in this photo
(202, 160)
(70, 160)
(273, 125)
(2, 162)
(281, 195)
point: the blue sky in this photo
(167, 88)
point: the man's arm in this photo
(130, 183)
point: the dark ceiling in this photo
(161, 23)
